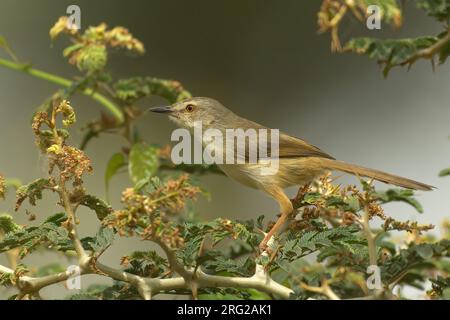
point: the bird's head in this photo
(189, 111)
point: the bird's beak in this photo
(166, 109)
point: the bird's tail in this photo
(374, 174)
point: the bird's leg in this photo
(286, 210)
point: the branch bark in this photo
(29, 285)
(429, 52)
(149, 287)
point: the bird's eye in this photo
(189, 108)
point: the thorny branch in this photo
(431, 51)
(31, 285)
(149, 287)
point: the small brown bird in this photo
(299, 162)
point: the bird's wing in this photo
(290, 147)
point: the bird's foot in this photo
(263, 246)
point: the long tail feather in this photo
(375, 174)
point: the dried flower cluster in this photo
(71, 162)
(147, 213)
(88, 52)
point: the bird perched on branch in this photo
(299, 162)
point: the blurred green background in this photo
(262, 59)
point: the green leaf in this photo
(415, 257)
(444, 172)
(403, 195)
(72, 48)
(7, 223)
(300, 244)
(32, 191)
(133, 89)
(424, 250)
(102, 240)
(444, 52)
(258, 295)
(56, 219)
(439, 9)
(242, 267)
(101, 207)
(50, 233)
(116, 162)
(6, 279)
(145, 264)
(143, 163)
(217, 230)
(353, 204)
(312, 197)
(391, 52)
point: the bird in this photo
(299, 163)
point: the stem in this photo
(140, 283)
(28, 284)
(154, 286)
(324, 289)
(83, 257)
(115, 110)
(432, 50)
(370, 238)
(173, 262)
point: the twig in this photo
(139, 282)
(260, 281)
(149, 287)
(173, 262)
(28, 285)
(115, 110)
(428, 53)
(370, 237)
(324, 289)
(83, 258)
